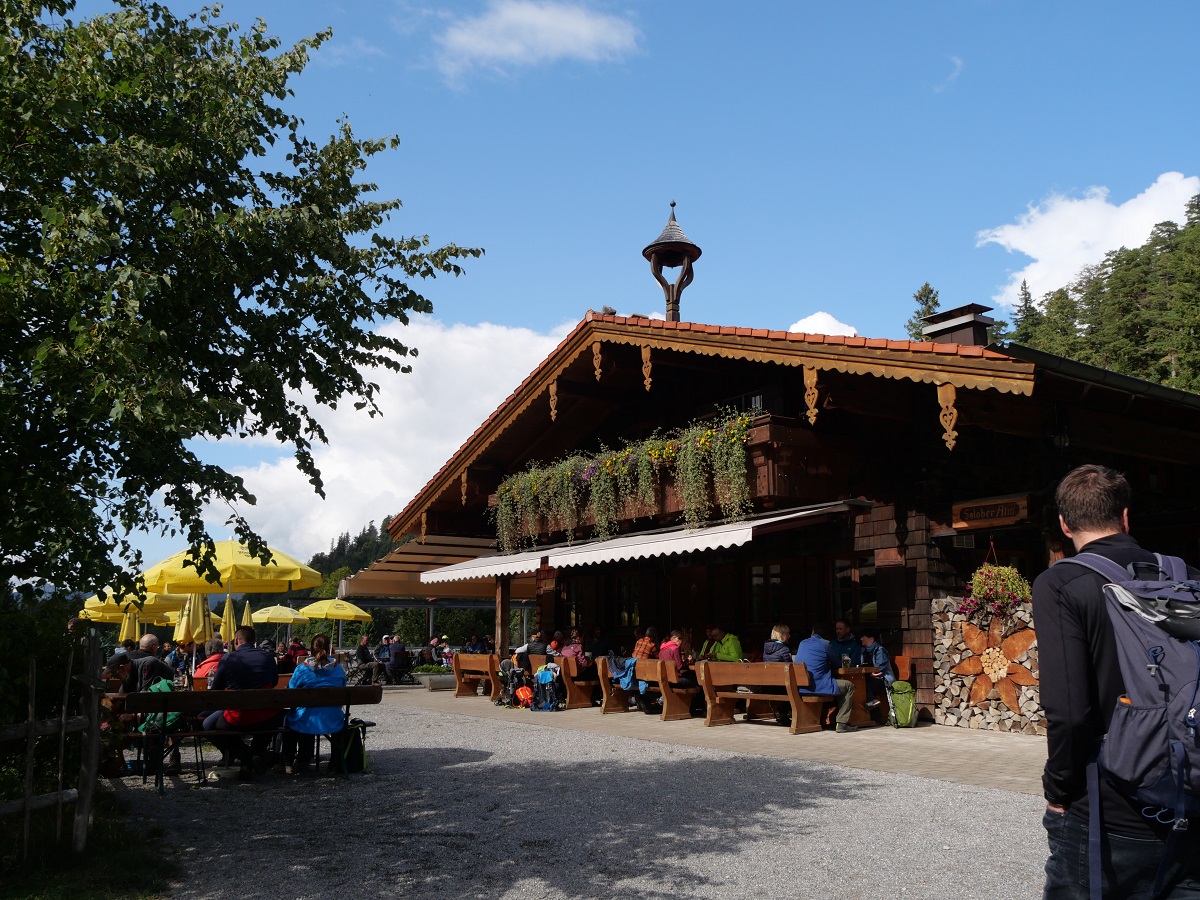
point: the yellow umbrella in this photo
(240, 573)
(335, 609)
(154, 604)
(228, 621)
(103, 616)
(129, 626)
(110, 615)
(278, 615)
(246, 619)
(172, 618)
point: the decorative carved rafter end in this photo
(948, 415)
(597, 359)
(810, 394)
(554, 401)
(647, 368)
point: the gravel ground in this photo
(459, 807)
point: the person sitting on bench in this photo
(874, 655)
(246, 668)
(304, 723)
(821, 661)
(372, 669)
(399, 662)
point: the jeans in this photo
(232, 747)
(1129, 864)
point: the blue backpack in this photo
(549, 690)
(1151, 753)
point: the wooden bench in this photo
(472, 668)
(191, 703)
(579, 685)
(721, 681)
(660, 677)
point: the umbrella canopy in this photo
(336, 609)
(154, 605)
(129, 627)
(240, 573)
(110, 615)
(102, 616)
(228, 621)
(246, 619)
(278, 615)
(195, 620)
(172, 618)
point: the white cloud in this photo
(952, 77)
(515, 33)
(354, 51)
(822, 323)
(1063, 234)
(374, 466)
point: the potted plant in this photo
(435, 678)
(995, 590)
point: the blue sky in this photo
(828, 158)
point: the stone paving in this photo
(1009, 762)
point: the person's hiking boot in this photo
(175, 765)
(871, 704)
(845, 729)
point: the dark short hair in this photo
(652, 633)
(1092, 498)
(868, 633)
(246, 635)
(823, 630)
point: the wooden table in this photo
(857, 675)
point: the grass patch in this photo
(124, 859)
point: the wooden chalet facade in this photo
(909, 461)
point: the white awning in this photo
(635, 546)
(669, 543)
(487, 567)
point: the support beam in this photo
(503, 593)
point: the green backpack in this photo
(904, 704)
(154, 721)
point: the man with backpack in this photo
(1138, 850)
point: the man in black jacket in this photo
(1080, 683)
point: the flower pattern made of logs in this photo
(993, 662)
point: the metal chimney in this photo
(962, 325)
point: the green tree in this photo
(1025, 317)
(177, 261)
(1059, 331)
(927, 305)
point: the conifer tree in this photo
(927, 305)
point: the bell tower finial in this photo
(672, 249)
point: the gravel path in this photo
(459, 807)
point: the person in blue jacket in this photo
(875, 656)
(304, 723)
(820, 660)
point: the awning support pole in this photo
(503, 596)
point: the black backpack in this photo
(511, 677)
(353, 757)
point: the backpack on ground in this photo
(902, 703)
(550, 693)
(512, 678)
(1151, 753)
(353, 756)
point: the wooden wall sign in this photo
(990, 512)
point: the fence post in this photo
(30, 742)
(90, 756)
(62, 743)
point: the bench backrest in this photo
(536, 661)
(731, 674)
(288, 698)
(668, 671)
(475, 663)
(904, 669)
(570, 668)
(647, 670)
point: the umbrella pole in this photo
(339, 643)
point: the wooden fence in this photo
(87, 724)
